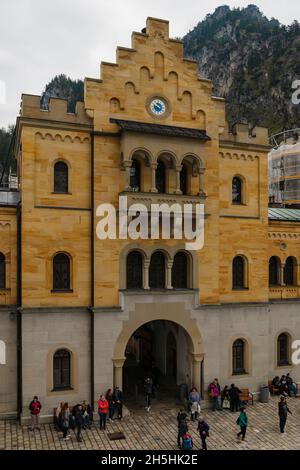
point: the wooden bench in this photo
(273, 390)
(246, 396)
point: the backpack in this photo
(187, 442)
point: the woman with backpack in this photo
(203, 430)
(65, 418)
(242, 421)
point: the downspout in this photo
(92, 300)
(19, 312)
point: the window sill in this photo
(62, 291)
(60, 194)
(239, 374)
(240, 289)
(5, 289)
(62, 389)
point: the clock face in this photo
(158, 107)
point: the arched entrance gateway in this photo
(171, 352)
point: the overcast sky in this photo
(42, 38)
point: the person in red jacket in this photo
(35, 409)
(102, 411)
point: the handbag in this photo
(226, 404)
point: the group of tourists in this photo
(228, 398)
(110, 406)
(285, 385)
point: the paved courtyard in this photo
(158, 431)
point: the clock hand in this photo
(158, 107)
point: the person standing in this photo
(35, 409)
(234, 395)
(87, 414)
(203, 429)
(194, 403)
(78, 415)
(103, 411)
(111, 404)
(148, 391)
(118, 399)
(215, 395)
(182, 431)
(242, 421)
(180, 417)
(65, 419)
(283, 410)
(225, 398)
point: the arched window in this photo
(180, 271)
(2, 353)
(273, 271)
(160, 177)
(238, 357)
(289, 272)
(2, 272)
(238, 273)
(283, 350)
(157, 271)
(61, 183)
(184, 179)
(62, 370)
(61, 272)
(135, 176)
(237, 197)
(134, 270)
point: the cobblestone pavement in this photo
(157, 430)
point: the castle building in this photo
(80, 314)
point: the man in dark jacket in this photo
(118, 399)
(283, 410)
(78, 415)
(148, 391)
(35, 409)
(234, 395)
(203, 429)
(180, 417)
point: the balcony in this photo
(9, 198)
(284, 292)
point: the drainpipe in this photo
(19, 312)
(92, 274)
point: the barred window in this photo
(134, 270)
(236, 191)
(61, 272)
(2, 272)
(282, 350)
(238, 357)
(61, 172)
(62, 370)
(180, 271)
(157, 271)
(238, 273)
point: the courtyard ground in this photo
(157, 430)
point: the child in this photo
(187, 442)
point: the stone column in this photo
(169, 274)
(196, 370)
(127, 166)
(178, 169)
(281, 275)
(201, 181)
(146, 275)
(153, 178)
(118, 372)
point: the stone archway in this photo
(194, 352)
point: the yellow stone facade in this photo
(99, 155)
(52, 223)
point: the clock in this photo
(158, 106)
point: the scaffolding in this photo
(284, 172)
